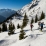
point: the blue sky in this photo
(13, 4)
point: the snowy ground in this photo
(34, 38)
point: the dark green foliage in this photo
(11, 29)
(42, 16)
(32, 20)
(36, 19)
(22, 33)
(18, 26)
(0, 30)
(4, 27)
(25, 21)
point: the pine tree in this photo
(18, 26)
(25, 21)
(11, 29)
(4, 27)
(36, 19)
(32, 20)
(22, 33)
(42, 16)
(0, 30)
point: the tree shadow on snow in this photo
(26, 30)
(38, 34)
(44, 30)
(17, 33)
(2, 41)
(44, 27)
(34, 35)
(36, 29)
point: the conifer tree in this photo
(36, 19)
(4, 27)
(32, 20)
(42, 16)
(22, 33)
(11, 29)
(0, 30)
(25, 21)
(18, 26)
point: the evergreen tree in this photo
(22, 33)
(42, 16)
(11, 29)
(4, 27)
(36, 19)
(18, 26)
(13, 26)
(0, 30)
(32, 20)
(25, 21)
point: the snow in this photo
(34, 37)
(41, 6)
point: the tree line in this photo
(11, 27)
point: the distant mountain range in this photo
(5, 13)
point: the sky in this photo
(13, 4)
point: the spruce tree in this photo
(42, 16)
(18, 26)
(11, 29)
(4, 27)
(32, 20)
(36, 19)
(0, 30)
(25, 21)
(22, 33)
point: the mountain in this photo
(5, 13)
(2, 18)
(33, 8)
(36, 37)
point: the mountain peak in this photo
(33, 8)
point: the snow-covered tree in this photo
(11, 29)
(25, 21)
(42, 16)
(4, 27)
(32, 20)
(18, 26)
(0, 30)
(36, 18)
(22, 33)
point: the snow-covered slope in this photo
(33, 8)
(35, 37)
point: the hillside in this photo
(36, 37)
(33, 8)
